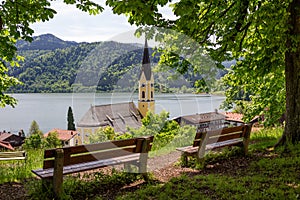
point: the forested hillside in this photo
(54, 65)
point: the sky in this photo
(72, 24)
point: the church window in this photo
(143, 85)
(151, 94)
(143, 94)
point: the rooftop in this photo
(118, 116)
(64, 135)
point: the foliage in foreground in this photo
(275, 176)
(12, 171)
(272, 175)
(87, 186)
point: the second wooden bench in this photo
(205, 141)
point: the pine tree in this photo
(71, 124)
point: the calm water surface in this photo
(50, 110)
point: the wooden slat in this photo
(222, 138)
(92, 147)
(90, 156)
(225, 131)
(49, 153)
(101, 146)
(12, 154)
(47, 173)
(48, 164)
(100, 156)
(13, 158)
(233, 142)
(16, 155)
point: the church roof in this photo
(146, 67)
(200, 118)
(118, 116)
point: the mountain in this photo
(55, 65)
(44, 42)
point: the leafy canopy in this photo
(15, 20)
(254, 33)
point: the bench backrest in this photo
(224, 134)
(14, 155)
(100, 151)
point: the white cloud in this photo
(72, 24)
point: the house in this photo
(203, 121)
(67, 137)
(119, 116)
(5, 146)
(122, 115)
(13, 139)
(233, 119)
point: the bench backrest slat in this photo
(100, 156)
(81, 158)
(92, 147)
(221, 135)
(93, 152)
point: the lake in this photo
(50, 110)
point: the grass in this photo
(271, 174)
(18, 170)
(274, 175)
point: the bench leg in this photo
(58, 173)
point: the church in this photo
(121, 115)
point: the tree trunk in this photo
(292, 75)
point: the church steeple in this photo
(146, 85)
(146, 67)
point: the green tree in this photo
(263, 36)
(52, 141)
(159, 126)
(35, 129)
(33, 142)
(15, 20)
(102, 135)
(70, 119)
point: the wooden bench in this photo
(68, 160)
(13, 155)
(205, 141)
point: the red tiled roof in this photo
(4, 136)
(237, 117)
(64, 135)
(6, 145)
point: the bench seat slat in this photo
(47, 173)
(190, 150)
